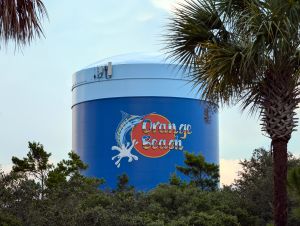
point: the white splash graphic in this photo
(126, 124)
(124, 151)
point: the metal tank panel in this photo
(137, 114)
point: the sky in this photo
(35, 87)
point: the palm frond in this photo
(20, 20)
(225, 71)
(195, 22)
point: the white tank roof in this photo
(133, 75)
(134, 58)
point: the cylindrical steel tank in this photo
(137, 114)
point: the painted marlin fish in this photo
(124, 147)
(127, 123)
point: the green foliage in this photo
(17, 195)
(122, 183)
(175, 180)
(65, 169)
(35, 165)
(254, 186)
(7, 219)
(294, 190)
(66, 189)
(294, 180)
(215, 219)
(182, 204)
(202, 174)
(71, 199)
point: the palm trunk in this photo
(279, 101)
(280, 181)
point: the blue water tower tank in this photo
(137, 114)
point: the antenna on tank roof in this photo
(103, 70)
(109, 69)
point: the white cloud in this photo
(145, 17)
(228, 171)
(167, 5)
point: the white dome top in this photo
(134, 58)
(132, 75)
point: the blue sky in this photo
(35, 87)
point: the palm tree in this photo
(246, 52)
(20, 20)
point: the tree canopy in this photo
(71, 198)
(245, 52)
(203, 174)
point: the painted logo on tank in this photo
(152, 136)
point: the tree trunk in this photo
(280, 181)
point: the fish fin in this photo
(124, 114)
